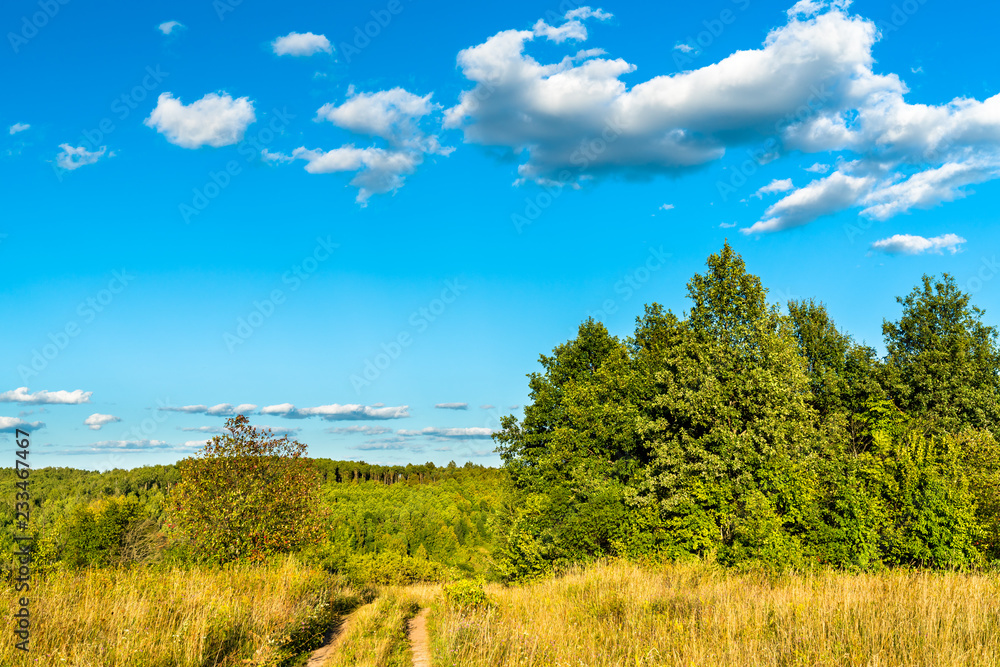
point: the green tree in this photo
(730, 429)
(247, 494)
(943, 361)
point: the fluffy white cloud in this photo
(19, 127)
(393, 116)
(214, 120)
(97, 420)
(810, 87)
(300, 44)
(571, 116)
(572, 27)
(11, 424)
(666, 207)
(220, 410)
(829, 195)
(452, 406)
(168, 27)
(917, 245)
(783, 185)
(74, 157)
(22, 395)
(336, 412)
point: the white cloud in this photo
(214, 120)
(487, 406)
(336, 412)
(572, 27)
(834, 193)
(452, 406)
(274, 157)
(12, 424)
(666, 207)
(168, 27)
(75, 157)
(727, 225)
(128, 446)
(22, 395)
(683, 48)
(220, 410)
(927, 188)
(774, 186)
(364, 430)
(19, 127)
(473, 433)
(667, 123)
(574, 120)
(300, 44)
(97, 420)
(391, 114)
(917, 245)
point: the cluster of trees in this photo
(754, 437)
(249, 495)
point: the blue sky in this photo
(367, 221)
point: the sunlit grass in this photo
(248, 615)
(689, 614)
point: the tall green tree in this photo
(942, 359)
(730, 428)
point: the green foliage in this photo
(943, 360)
(760, 439)
(467, 593)
(247, 495)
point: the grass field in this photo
(620, 614)
(609, 614)
(177, 618)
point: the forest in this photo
(737, 433)
(710, 451)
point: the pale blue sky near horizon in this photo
(368, 220)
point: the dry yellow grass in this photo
(688, 614)
(174, 618)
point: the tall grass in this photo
(618, 614)
(377, 634)
(247, 615)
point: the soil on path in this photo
(419, 640)
(333, 637)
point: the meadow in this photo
(608, 613)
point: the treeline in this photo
(753, 437)
(385, 523)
